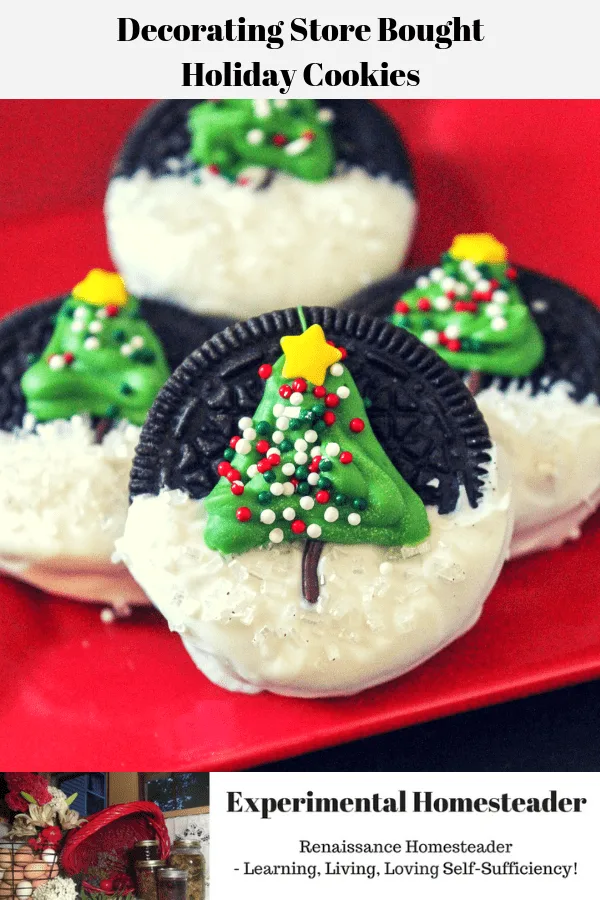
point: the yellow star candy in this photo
(101, 289)
(308, 355)
(479, 248)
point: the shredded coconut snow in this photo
(217, 247)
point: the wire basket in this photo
(22, 869)
(102, 846)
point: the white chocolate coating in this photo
(381, 611)
(218, 247)
(63, 503)
(553, 444)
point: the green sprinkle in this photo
(126, 389)
(340, 500)
(264, 497)
(286, 445)
(269, 477)
(303, 488)
(325, 465)
(229, 454)
(263, 428)
(359, 503)
(301, 473)
(320, 425)
(319, 409)
(325, 483)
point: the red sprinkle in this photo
(294, 481)
(279, 140)
(511, 273)
(346, 457)
(309, 135)
(69, 358)
(264, 465)
(285, 391)
(298, 526)
(332, 400)
(329, 417)
(234, 441)
(401, 307)
(486, 296)
(265, 370)
(313, 467)
(299, 384)
(237, 488)
(450, 295)
(262, 446)
(494, 283)
(322, 496)
(343, 351)
(357, 425)
(465, 306)
(243, 514)
(111, 310)
(423, 304)
(274, 459)
(213, 169)
(453, 345)
(223, 467)
(319, 391)
(233, 475)
(443, 340)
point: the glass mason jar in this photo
(187, 854)
(144, 850)
(172, 884)
(145, 878)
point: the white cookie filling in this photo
(381, 612)
(553, 444)
(63, 503)
(218, 247)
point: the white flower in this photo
(56, 889)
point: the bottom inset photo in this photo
(96, 835)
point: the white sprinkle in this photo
(311, 436)
(262, 108)
(332, 449)
(300, 444)
(343, 392)
(280, 104)
(466, 265)
(300, 458)
(243, 446)
(498, 324)
(288, 468)
(137, 341)
(296, 398)
(473, 275)
(272, 450)
(500, 297)
(249, 434)
(288, 488)
(245, 422)
(126, 350)
(278, 437)
(430, 338)
(314, 530)
(252, 470)
(56, 362)
(452, 331)
(539, 305)
(91, 343)
(422, 282)
(482, 285)
(331, 514)
(282, 423)
(80, 312)
(436, 274)
(313, 478)
(276, 536)
(267, 516)
(95, 327)
(255, 136)
(442, 303)
(278, 409)
(325, 115)
(289, 514)
(461, 289)
(292, 412)
(307, 502)
(101, 314)
(276, 489)
(337, 369)
(386, 568)
(354, 519)
(295, 148)
(316, 451)
(447, 283)
(493, 309)
(78, 325)
(107, 616)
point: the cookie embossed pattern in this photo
(320, 521)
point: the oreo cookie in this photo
(25, 334)
(362, 136)
(419, 409)
(568, 322)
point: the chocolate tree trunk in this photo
(473, 382)
(103, 426)
(310, 561)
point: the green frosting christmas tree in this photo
(103, 358)
(470, 310)
(308, 467)
(233, 136)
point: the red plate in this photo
(77, 694)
